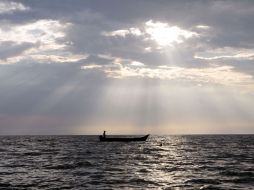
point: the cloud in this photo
(215, 75)
(45, 32)
(203, 27)
(91, 67)
(9, 7)
(137, 64)
(162, 33)
(226, 53)
(124, 32)
(46, 42)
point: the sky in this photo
(127, 67)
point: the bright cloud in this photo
(87, 67)
(222, 75)
(205, 27)
(68, 57)
(46, 36)
(45, 32)
(124, 32)
(226, 53)
(137, 64)
(10, 7)
(216, 75)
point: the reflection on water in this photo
(81, 162)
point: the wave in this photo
(70, 166)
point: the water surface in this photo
(81, 162)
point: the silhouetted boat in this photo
(123, 139)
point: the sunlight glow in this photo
(166, 35)
(162, 33)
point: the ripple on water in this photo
(203, 181)
(70, 166)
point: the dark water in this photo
(81, 162)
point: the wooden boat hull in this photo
(124, 139)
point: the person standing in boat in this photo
(104, 134)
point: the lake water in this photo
(82, 162)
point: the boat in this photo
(122, 139)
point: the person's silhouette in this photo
(104, 134)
